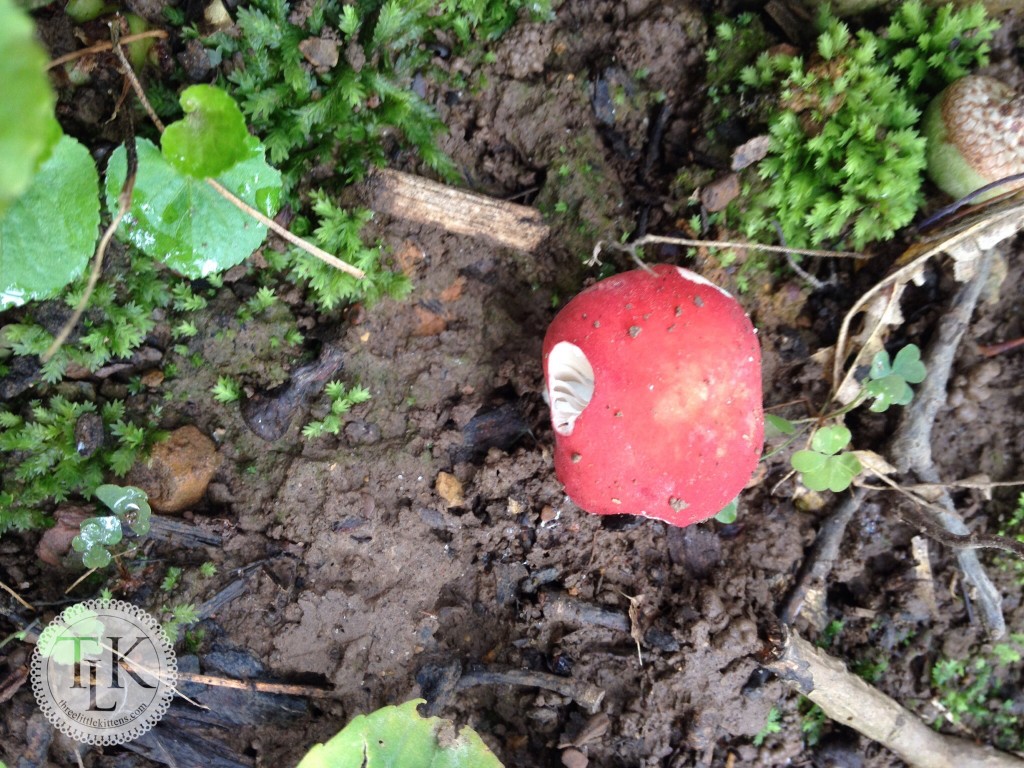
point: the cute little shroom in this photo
(654, 381)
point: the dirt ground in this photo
(431, 540)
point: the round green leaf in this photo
(889, 390)
(28, 129)
(727, 515)
(398, 737)
(808, 462)
(211, 137)
(182, 221)
(908, 364)
(130, 504)
(48, 234)
(831, 439)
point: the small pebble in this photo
(573, 758)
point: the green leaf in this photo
(182, 221)
(398, 737)
(819, 472)
(130, 504)
(889, 390)
(97, 534)
(48, 234)
(28, 129)
(776, 425)
(908, 364)
(831, 439)
(728, 514)
(212, 136)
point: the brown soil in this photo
(367, 570)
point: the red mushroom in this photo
(654, 382)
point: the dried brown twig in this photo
(911, 451)
(847, 699)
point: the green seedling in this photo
(823, 467)
(130, 506)
(176, 215)
(773, 724)
(729, 512)
(890, 383)
(226, 390)
(972, 693)
(342, 400)
(48, 460)
(399, 737)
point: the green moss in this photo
(846, 156)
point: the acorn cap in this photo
(975, 133)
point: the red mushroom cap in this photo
(654, 382)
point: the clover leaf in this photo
(890, 382)
(822, 467)
(212, 136)
(182, 221)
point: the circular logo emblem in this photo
(104, 672)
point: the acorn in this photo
(975, 133)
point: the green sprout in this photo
(130, 506)
(226, 390)
(342, 400)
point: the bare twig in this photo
(631, 248)
(295, 240)
(822, 557)
(911, 450)
(848, 700)
(586, 695)
(16, 596)
(104, 46)
(414, 198)
(256, 686)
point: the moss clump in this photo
(846, 154)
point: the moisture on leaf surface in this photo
(398, 737)
(182, 221)
(28, 130)
(130, 504)
(97, 534)
(212, 136)
(48, 234)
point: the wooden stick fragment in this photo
(849, 700)
(413, 198)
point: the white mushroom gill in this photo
(570, 385)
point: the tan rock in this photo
(450, 489)
(178, 471)
(55, 544)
